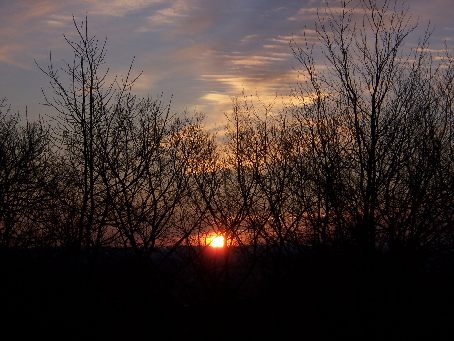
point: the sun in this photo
(215, 241)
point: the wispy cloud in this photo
(8, 55)
(260, 60)
(202, 51)
(118, 8)
(168, 15)
(58, 20)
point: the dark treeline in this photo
(363, 157)
(322, 203)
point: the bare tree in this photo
(150, 154)
(364, 116)
(85, 98)
(23, 167)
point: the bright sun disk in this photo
(216, 241)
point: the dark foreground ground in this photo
(315, 296)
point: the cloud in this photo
(219, 99)
(145, 82)
(22, 30)
(58, 20)
(269, 88)
(27, 10)
(168, 15)
(260, 60)
(232, 83)
(179, 18)
(202, 51)
(118, 8)
(8, 55)
(248, 38)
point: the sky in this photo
(201, 52)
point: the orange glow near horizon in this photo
(215, 241)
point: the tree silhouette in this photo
(364, 118)
(86, 100)
(149, 156)
(23, 169)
